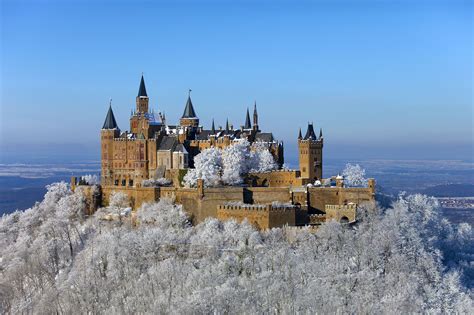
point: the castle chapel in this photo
(153, 149)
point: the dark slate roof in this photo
(110, 122)
(264, 136)
(142, 89)
(310, 133)
(300, 136)
(168, 143)
(247, 125)
(204, 134)
(189, 109)
(180, 148)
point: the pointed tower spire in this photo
(110, 122)
(255, 116)
(189, 109)
(227, 125)
(247, 125)
(213, 127)
(310, 135)
(142, 89)
(300, 136)
(320, 133)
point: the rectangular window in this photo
(116, 182)
(124, 182)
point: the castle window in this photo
(124, 182)
(130, 182)
(116, 182)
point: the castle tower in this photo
(255, 117)
(142, 98)
(310, 150)
(189, 118)
(109, 131)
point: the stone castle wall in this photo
(260, 216)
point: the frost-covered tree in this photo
(354, 175)
(118, 200)
(229, 165)
(207, 166)
(404, 259)
(235, 161)
(91, 179)
(261, 158)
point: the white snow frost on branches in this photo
(207, 166)
(227, 166)
(354, 176)
(405, 259)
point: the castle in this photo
(154, 149)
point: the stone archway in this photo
(344, 220)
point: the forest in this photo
(401, 259)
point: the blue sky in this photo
(384, 79)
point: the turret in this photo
(189, 118)
(109, 131)
(310, 154)
(142, 98)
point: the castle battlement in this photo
(255, 207)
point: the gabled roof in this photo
(189, 109)
(110, 122)
(264, 136)
(310, 135)
(168, 143)
(204, 134)
(180, 148)
(142, 89)
(247, 125)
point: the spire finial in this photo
(189, 92)
(110, 102)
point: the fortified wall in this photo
(310, 205)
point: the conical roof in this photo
(110, 122)
(247, 125)
(310, 133)
(142, 89)
(189, 109)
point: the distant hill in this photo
(450, 190)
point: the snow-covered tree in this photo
(404, 259)
(235, 161)
(207, 166)
(354, 175)
(261, 158)
(118, 200)
(91, 179)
